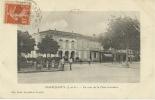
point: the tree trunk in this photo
(46, 61)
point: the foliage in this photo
(122, 33)
(25, 42)
(48, 45)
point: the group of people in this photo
(62, 63)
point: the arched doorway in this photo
(60, 54)
(72, 54)
(66, 55)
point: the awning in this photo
(108, 55)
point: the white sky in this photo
(83, 22)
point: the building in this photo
(132, 55)
(81, 47)
(74, 45)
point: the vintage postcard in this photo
(77, 49)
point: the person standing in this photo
(89, 61)
(70, 63)
(62, 61)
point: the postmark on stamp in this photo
(24, 13)
(17, 13)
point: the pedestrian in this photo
(70, 63)
(62, 61)
(89, 61)
(114, 58)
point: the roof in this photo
(66, 34)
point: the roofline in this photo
(73, 33)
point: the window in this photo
(61, 43)
(67, 44)
(72, 45)
(94, 54)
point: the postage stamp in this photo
(17, 13)
(34, 17)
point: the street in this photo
(85, 73)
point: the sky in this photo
(83, 22)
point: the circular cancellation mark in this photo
(35, 15)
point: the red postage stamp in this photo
(17, 13)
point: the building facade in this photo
(72, 45)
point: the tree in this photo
(25, 45)
(48, 46)
(122, 33)
(25, 42)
